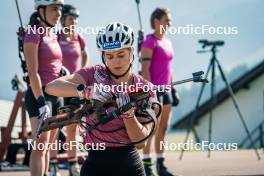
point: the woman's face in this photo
(119, 61)
(163, 24)
(53, 13)
(70, 21)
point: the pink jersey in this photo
(49, 55)
(161, 61)
(98, 74)
(71, 51)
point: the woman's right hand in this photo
(97, 93)
(44, 111)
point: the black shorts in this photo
(117, 161)
(164, 97)
(32, 107)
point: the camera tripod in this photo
(213, 65)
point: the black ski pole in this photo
(20, 38)
(140, 38)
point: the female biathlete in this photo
(116, 44)
(44, 61)
(157, 55)
(74, 58)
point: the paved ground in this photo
(197, 164)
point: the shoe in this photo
(74, 170)
(54, 170)
(147, 166)
(161, 169)
(7, 166)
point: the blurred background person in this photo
(157, 55)
(74, 58)
(44, 62)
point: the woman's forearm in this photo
(146, 75)
(35, 84)
(62, 88)
(145, 70)
(136, 131)
(84, 58)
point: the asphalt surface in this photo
(243, 162)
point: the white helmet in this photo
(47, 2)
(115, 36)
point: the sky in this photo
(245, 47)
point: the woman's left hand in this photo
(122, 98)
(129, 114)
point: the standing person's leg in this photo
(147, 161)
(161, 133)
(37, 162)
(74, 168)
(147, 158)
(47, 157)
(51, 156)
(162, 128)
(71, 131)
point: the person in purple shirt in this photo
(115, 42)
(157, 55)
(44, 61)
(74, 58)
(72, 44)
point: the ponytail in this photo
(34, 19)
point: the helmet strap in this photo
(45, 18)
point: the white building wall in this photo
(5, 111)
(227, 126)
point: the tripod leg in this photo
(196, 137)
(211, 108)
(263, 113)
(237, 108)
(190, 123)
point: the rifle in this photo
(71, 114)
(96, 110)
(140, 37)
(20, 37)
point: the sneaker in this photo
(7, 166)
(147, 166)
(161, 169)
(54, 170)
(74, 170)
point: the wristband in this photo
(145, 59)
(80, 90)
(41, 101)
(128, 115)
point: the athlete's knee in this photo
(162, 129)
(38, 152)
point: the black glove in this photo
(44, 109)
(64, 71)
(175, 97)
